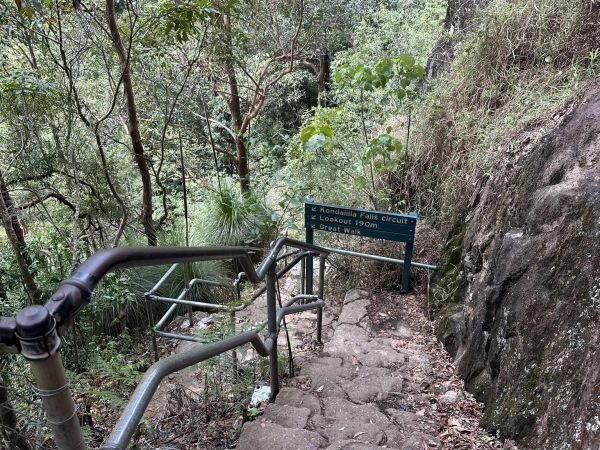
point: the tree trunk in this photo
(16, 236)
(233, 102)
(242, 164)
(323, 78)
(8, 421)
(133, 126)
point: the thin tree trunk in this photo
(233, 102)
(133, 126)
(8, 421)
(323, 78)
(242, 163)
(16, 236)
(96, 130)
(242, 167)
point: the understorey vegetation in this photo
(209, 122)
(197, 123)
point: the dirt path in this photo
(382, 380)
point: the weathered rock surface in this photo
(263, 435)
(524, 322)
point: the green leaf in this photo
(360, 182)
(326, 130)
(306, 133)
(315, 142)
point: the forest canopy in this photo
(112, 112)
(210, 122)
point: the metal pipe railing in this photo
(273, 329)
(127, 424)
(281, 273)
(200, 305)
(34, 331)
(380, 258)
(160, 282)
(210, 307)
(131, 416)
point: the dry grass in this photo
(515, 71)
(349, 272)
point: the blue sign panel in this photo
(360, 222)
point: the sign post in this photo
(310, 239)
(360, 222)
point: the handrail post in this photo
(302, 275)
(40, 345)
(272, 327)
(321, 293)
(186, 282)
(310, 238)
(234, 358)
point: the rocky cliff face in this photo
(459, 17)
(518, 299)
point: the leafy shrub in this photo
(230, 217)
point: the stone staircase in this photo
(374, 385)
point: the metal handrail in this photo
(75, 292)
(418, 265)
(133, 412)
(183, 299)
(34, 330)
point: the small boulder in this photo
(449, 398)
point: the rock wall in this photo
(518, 298)
(459, 17)
(460, 13)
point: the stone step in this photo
(367, 389)
(265, 435)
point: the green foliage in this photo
(230, 217)
(331, 141)
(383, 151)
(395, 75)
(180, 19)
(26, 83)
(316, 137)
(394, 28)
(110, 376)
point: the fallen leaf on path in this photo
(454, 422)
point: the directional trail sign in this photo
(362, 222)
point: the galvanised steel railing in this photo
(183, 298)
(34, 332)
